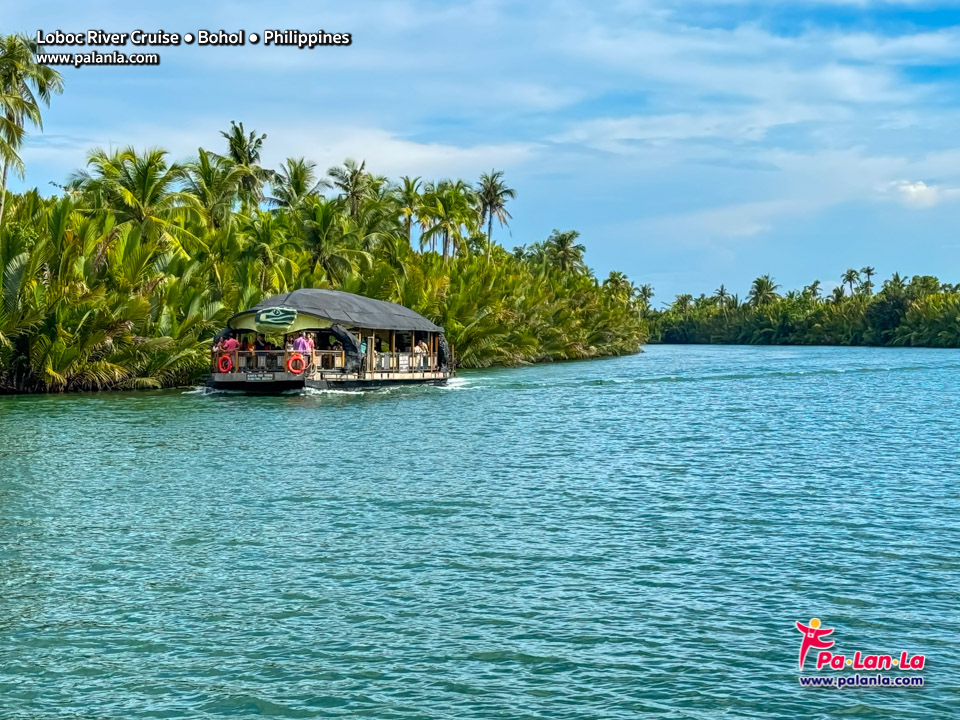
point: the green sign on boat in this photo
(275, 318)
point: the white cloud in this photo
(390, 154)
(751, 125)
(917, 194)
(386, 153)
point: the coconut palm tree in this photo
(682, 303)
(216, 182)
(492, 196)
(645, 293)
(24, 87)
(721, 295)
(141, 189)
(326, 237)
(408, 200)
(354, 183)
(565, 252)
(295, 182)
(867, 272)
(244, 150)
(763, 291)
(896, 284)
(448, 213)
(850, 277)
(619, 286)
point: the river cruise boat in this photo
(327, 339)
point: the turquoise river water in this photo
(608, 539)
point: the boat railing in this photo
(273, 360)
(404, 362)
(252, 361)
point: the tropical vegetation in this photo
(122, 279)
(920, 311)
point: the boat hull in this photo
(281, 382)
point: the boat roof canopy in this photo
(335, 306)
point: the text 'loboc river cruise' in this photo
(328, 339)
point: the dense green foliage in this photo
(919, 312)
(122, 281)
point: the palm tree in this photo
(813, 290)
(408, 198)
(244, 150)
(682, 303)
(492, 195)
(295, 182)
(24, 86)
(141, 190)
(325, 236)
(896, 284)
(448, 210)
(565, 252)
(869, 272)
(721, 295)
(850, 277)
(354, 183)
(619, 286)
(269, 246)
(763, 291)
(646, 294)
(216, 182)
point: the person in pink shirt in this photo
(230, 344)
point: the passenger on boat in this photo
(300, 344)
(261, 346)
(230, 344)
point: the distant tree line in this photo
(920, 311)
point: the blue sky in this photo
(691, 142)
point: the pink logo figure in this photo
(812, 635)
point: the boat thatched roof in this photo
(348, 309)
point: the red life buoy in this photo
(296, 364)
(225, 364)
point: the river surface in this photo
(605, 539)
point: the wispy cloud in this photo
(691, 123)
(917, 194)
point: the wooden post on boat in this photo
(393, 350)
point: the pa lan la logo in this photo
(814, 637)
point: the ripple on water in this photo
(577, 540)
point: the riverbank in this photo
(121, 282)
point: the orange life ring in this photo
(301, 364)
(225, 364)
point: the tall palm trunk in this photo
(3, 192)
